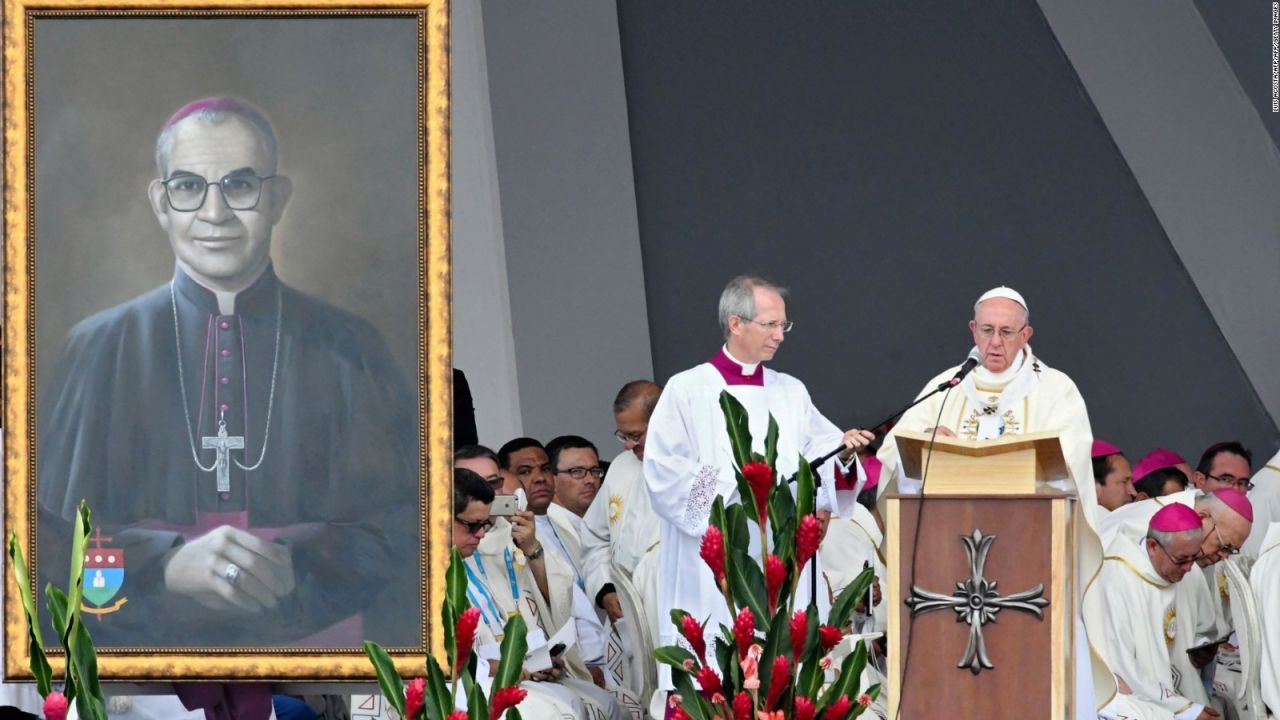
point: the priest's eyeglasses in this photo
(579, 472)
(1006, 334)
(475, 527)
(1222, 546)
(625, 438)
(240, 191)
(1174, 560)
(783, 325)
(1241, 484)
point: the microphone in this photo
(971, 362)
(975, 357)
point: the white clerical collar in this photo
(747, 368)
(989, 378)
(226, 298)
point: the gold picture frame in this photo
(430, 299)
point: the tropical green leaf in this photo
(746, 584)
(57, 603)
(75, 585)
(810, 678)
(782, 520)
(90, 707)
(736, 530)
(513, 713)
(35, 641)
(804, 489)
(84, 659)
(437, 700)
(515, 645)
(693, 702)
(727, 658)
(850, 675)
(477, 705)
(735, 420)
(388, 679)
(771, 443)
(675, 656)
(842, 608)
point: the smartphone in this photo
(504, 506)
(557, 649)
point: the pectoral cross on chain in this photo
(223, 444)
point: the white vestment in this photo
(620, 526)
(501, 583)
(1140, 628)
(1265, 497)
(851, 545)
(688, 463)
(1265, 582)
(1029, 397)
(619, 540)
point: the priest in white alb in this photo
(688, 461)
(1141, 625)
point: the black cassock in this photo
(338, 482)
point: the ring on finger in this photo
(231, 574)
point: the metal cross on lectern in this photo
(976, 601)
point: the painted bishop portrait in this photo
(249, 452)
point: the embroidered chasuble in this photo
(619, 526)
(333, 476)
(1264, 579)
(688, 462)
(1140, 627)
(501, 583)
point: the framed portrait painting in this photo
(227, 329)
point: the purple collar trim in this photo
(732, 371)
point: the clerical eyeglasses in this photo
(1006, 334)
(580, 472)
(240, 191)
(1242, 484)
(783, 325)
(625, 438)
(1222, 546)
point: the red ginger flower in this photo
(760, 477)
(744, 631)
(505, 698)
(692, 632)
(742, 707)
(779, 680)
(838, 709)
(678, 713)
(774, 573)
(55, 706)
(804, 708)
(465, 636)
(710, 682)
(713, 552)
(864, 700)
(799, 634)
(762, 715)
(458, 715)
(808, 537)
(413, 695)
(829, 636)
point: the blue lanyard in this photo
(492, 616)
(511, 579)
(577, 574)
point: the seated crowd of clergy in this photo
(1183, 602)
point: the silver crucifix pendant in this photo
(223, 444)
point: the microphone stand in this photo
(883, 427)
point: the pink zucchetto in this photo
(1237, 501)
(1175, 517)
(1102, 448)
(873, 467)
(1157, 459)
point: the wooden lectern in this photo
(992, 595)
